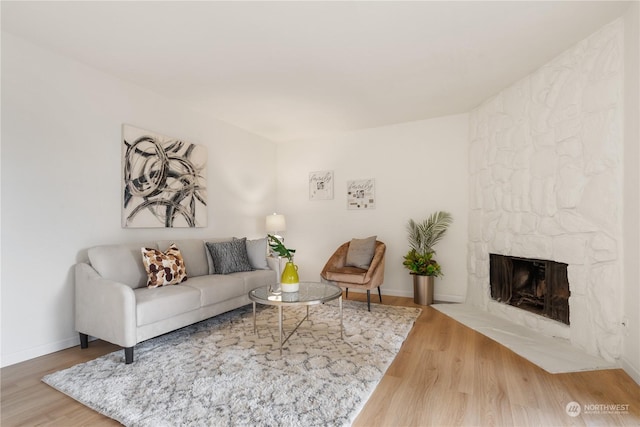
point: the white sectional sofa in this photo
(113, 302)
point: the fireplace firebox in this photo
(538, 286)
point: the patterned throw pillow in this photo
(164, 268)
(229, 257)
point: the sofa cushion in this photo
(120, 263)
(229, 257)
(255, 279)
(212, 269)
(215, 288)
(154, 305)
(194, 254)
(257, 253)
(163, 268)
(360, 252)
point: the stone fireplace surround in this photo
(545, 168)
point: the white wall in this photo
(418, 167)
(61, 136)
(631, 225)
(61, 188)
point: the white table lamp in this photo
(275, 223)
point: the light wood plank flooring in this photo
(445, 375)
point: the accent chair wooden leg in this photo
(368, 299)
(84, 340)
(128, 355)
(347, 293)
(379, 294)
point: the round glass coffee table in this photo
(310, 293)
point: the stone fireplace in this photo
(538, 286)
(545, 170)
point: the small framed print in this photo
(361, 194)
(321, 185)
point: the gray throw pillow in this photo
(361, 252)
(257, 253)
(229, 257)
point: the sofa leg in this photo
(84, 340)
(368, 299)
(379, 294)
(128, 355)
(347, 294)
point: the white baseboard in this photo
(392, 292)
(32, 353)
(631, 370)
(448, 298)
(409, 294)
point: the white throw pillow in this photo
(361, 252)
(257, 253)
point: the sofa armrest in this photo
(274, 263)
(105, 309)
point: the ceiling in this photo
(298, 70)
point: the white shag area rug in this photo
(219, 373)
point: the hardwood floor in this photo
(445, 374)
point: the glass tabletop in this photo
(309, 293)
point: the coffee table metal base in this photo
(280, 331)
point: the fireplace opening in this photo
(538, 286)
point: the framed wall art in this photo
(361, 194)
(321, 185)
(163, 181)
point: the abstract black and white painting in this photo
(164, 181)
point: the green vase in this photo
(289, 279)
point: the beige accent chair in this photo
(337, 272)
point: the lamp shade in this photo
(275, 223)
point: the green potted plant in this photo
(419, 260)
(289, 280)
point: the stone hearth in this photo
(545, 183)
